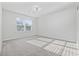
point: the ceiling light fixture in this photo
(36, 8)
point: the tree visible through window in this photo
(24, 24)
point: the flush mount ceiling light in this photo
(36, 8)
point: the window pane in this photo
(24, 24)
(28, 24)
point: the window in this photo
(28, 24)
(24, 24)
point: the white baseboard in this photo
(17, 38)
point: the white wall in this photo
(78, 28)
(9, 26)
(60, 25)
(0, 27)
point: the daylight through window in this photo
(24, 24)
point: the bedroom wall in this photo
(0, 28)
(59, 25)
(9, 25)
(78, 27)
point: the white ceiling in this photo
(27, 7)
